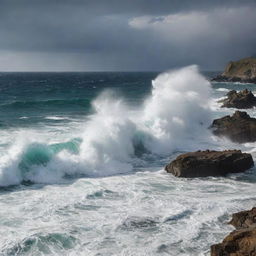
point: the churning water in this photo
(82, 157)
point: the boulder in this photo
(239, 127)
(241, 242)
(243, 99)
(238, 243)
(243, 70)
(210, 163)
(244, 219)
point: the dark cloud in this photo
(124, 35)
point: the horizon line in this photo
(105, 71)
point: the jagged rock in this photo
(241, 242)
(243, 99)
(244, 219)
(210, 163)
(243, 70)
(239, 128)
(238, 243)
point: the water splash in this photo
(174, 116)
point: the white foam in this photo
(222, 89)
(55, 118)
(175, 116)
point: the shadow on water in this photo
(246, 177)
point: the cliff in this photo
(243, 70)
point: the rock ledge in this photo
(239, 127)
(241, 242)
(240, 100)
(210, 163)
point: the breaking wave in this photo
(176, 113)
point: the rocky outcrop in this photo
(238, 243)
(244, 219)
(210, 163)
(243, 99)
(239, 127)
(243, 70)
(241, 242)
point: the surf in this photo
(174, 116)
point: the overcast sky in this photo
(124, 35)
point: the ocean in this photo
(82, 159)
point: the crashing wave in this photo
(176, 112)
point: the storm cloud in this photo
(124, 35)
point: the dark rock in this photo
(238, 243)
(210, 163)
(243, 71)
(241, 242)
(244, 219)
(243, 99)
(239, 128)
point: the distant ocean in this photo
(82, 158)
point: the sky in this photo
(124, 35)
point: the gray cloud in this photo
(124, 35)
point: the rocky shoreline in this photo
(241, 100)
(242, 241)
(243, 71)
(226, 79)
(239, 128)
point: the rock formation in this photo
(244, 219)
(239, 127)
(243, 99)
(209, 163)
(243, 70)
(241, 242)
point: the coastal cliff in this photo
(243, 70)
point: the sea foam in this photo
(174, 116)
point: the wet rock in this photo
(240, 100)
(243, 71)
(241, 242)
(210, 163)
(239, 127)
(244, 219)
(238, 243)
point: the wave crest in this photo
(176, 112)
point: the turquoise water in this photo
(28, 98)
(82, 157)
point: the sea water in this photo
(82, 158)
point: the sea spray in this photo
(176, 113)
(178, 108)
